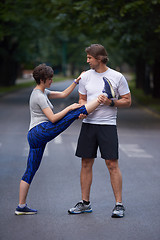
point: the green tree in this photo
(141, 38)
(14, 32)
(29, 36)
(53, 30)
(133, 25)
(23, 35)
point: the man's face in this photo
(93, 62)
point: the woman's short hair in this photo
(42, 72)
(98, 51)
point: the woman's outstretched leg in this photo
(92, 105)
(52, 130)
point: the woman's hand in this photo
(74, 106)
(77, 80)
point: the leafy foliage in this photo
(57, 31)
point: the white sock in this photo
(119, 203)
(22, 205)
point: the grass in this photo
(143, 99)
(28, 84)
(16, 87)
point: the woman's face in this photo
(48, 82)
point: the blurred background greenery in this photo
(57, 31)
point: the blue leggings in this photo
(41, 134)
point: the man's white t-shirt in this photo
(92, 84)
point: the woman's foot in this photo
(25, 210)
(108, 89)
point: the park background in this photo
(58, 31)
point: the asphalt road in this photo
(56, 186)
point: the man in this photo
(99, 128)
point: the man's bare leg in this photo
(115, 178)
(86, 178)
(86, 181)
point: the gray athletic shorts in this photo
(93, 136)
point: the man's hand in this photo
(104, 100)
(82, 116)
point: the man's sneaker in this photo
(118, 211)
(80, 207)
(108, 89)
(25, 211)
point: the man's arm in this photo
(123, 102)
(82, 101)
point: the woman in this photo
(45, 125)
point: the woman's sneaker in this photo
(118, 211)
(80, 207)
(108, 89)
(25, 211)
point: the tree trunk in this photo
(147, 87)
(8, 62)
(156, 78)
(8, 70)
(140, 73)
(73, 69)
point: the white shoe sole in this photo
(85, 211)
(25, 213)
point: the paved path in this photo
(56, 185)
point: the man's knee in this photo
(112, 165)
(87, 163)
